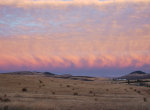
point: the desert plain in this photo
(40, 92)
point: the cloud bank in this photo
(85, 35)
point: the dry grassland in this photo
(37, 92)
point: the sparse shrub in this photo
(126, 90)
(107, 89)
(75, 93)
(4, 99)
(53, 92)
(128, 82)
(145, 99)
(40, 81)
(138, 80)
(96, 99)
(24, 89)
(135, 90)
(139, 92)
(68, 86)
(43, 85)
(72, 88)
(5, 95)
(90, 92)
(131, 88)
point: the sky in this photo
(78, 37)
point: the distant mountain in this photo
(135, 76)
(30, 73)
(138, 72)
(25, 73)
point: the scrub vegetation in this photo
(38, 92)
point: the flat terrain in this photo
(38, 92)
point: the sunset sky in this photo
(80, 37)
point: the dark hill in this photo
(49, 73)
(138, 72)
(24, 73)
(135, 76)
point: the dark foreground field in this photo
(38, 92)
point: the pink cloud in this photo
(79, 34)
